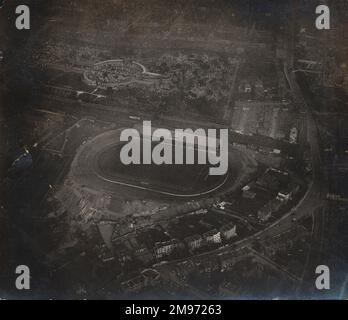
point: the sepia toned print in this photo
(157, 149)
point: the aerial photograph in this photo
(173, 149)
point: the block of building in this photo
(228, 231)
(194, 242)
(212, 236)
(143, 254)
(268, 209)
(165, 248)
(135, 284)
(286, 193)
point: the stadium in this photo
(97, 166)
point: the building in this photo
(249, 194)
(293, 135)
(143, 254)
(259, 89)
(184, 269)
(228, 231)
(212, 236)
(135, 284)
(152, 277)
(266, 211)
(194, 242)
(286, 193)
(105, 254)
(208, 265)
(163, 249)
(147, 278)
(273, 179)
